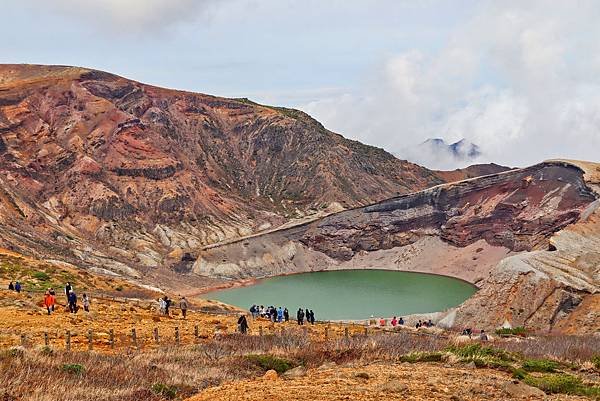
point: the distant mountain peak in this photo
(461, 150)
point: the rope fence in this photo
(108, 339)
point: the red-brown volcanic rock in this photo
(113, 172)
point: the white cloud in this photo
(131, 16)
(519, 79)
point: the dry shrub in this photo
(564, 348)
(37, 375)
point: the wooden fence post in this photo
(46, 341)
(156, 335)
(90, 340)
(134, 337)
(260, 331)
(346, 332)
(177, 335)
(23, 340)
(326, 333)
(366, 331)
(111, 338)
(196, 332)
(68, 341)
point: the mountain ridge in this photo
(116, 174)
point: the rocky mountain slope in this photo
(103, 171)
(527, 237)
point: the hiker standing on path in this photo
(312, 317)
(183, 305)
(167, 304)
(68, 289)
(11, 286)
(280, 315)
(86, 302)
(300, 316)
(18, 287)
(242, 324)
(286, 315)
(53, 293)
(49, 302)
(72, 302)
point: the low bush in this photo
(519, 374)
(41, 276)
(540, 365)
(47, 351)
(268, 362)
(73, 368)
(415, 357)
(561, 383)
(596, 362)
(169, 392)
(14, 352)
(514, 331)
(477, 351)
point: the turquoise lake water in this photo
(352, 294)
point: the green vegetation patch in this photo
(515, 331)
(477, 351)
(561, 383)
(165, 390)
(268, 362)
(596, 361)
(73, 369)
(15, 352)
(46, 351)
(41, 276)
(415, 357)
(540, 365)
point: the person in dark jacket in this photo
(72, 302)
(11, 286)
(300, 316)
(312, 317)
(242, 324)
(286, 315)
(68, 289)
(167, 304)
(18, 287)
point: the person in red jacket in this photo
(49, 301)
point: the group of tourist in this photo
(394, 322)
(270, 312)
(424, 323)
(307, 314)
(281, 314)
(49, 301)
(14, 287)
(165, 303)
(72, 299)
(469, 332)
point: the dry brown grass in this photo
(38, 374)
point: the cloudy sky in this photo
(521, 79)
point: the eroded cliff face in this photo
(557, 288)
(105, 171)
(496, 231)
